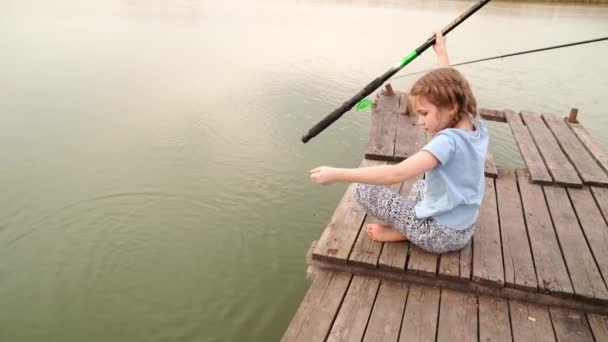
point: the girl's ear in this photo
(452, 109)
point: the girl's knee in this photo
(364, 192)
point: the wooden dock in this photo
(536, 269)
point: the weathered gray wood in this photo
(490, 169)
(410, 138)
(469, 286)
(492, 114)
(527, 148)
(315, 314)
(354, 313)
(601, 197)
(341, 232)
(466, 261)
(383, 130)
(530, 322)
(394, 254)
(367, 251)
(494, 324)
(596, 152)
(558, 165)
(570, 325)
(599, 326)
(588, 169)
(594, 226)
(403, 104)
(420, 317)
(422, 262)
(551, 270)
(487, 255)
(519, 266)
(449, 265)
(584, 274)
(457, 317)
(385, 321)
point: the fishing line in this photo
(512, 54)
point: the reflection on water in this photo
(154, 184)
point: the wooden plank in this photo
(383, 130)
(468, 286)
(449, 265)
(466, 261)
(599, 326)
(558, 165)
(585, 276)
(519, 266)
(589, 171)
(457, 317)
(601, 197)
(527, 148)
(492, 114)
(596, 152)
(530, 322)
(487, 256)
(420, 317)
(422, 262)
(594, 226)
(410, 138)
(367, 251)
(494, 324)
(385, 321)
(316, 313)
(394, 254)
(551, 272)
(403, 104)
(570, 325)
(340, 234)
(354, 313)
(490, 166)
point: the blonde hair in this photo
(446, 87)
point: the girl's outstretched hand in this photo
(323, 175)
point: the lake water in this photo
(154, 184)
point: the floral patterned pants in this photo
(398, 212)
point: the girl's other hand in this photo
(323, 175)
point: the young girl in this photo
(440, 212)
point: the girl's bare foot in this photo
(383, 233)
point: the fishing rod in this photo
(513, 54)
(375, 84)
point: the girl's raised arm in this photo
(441, 50)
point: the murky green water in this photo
(154, 185)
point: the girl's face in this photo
(430, 117)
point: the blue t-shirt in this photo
(455, 187)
